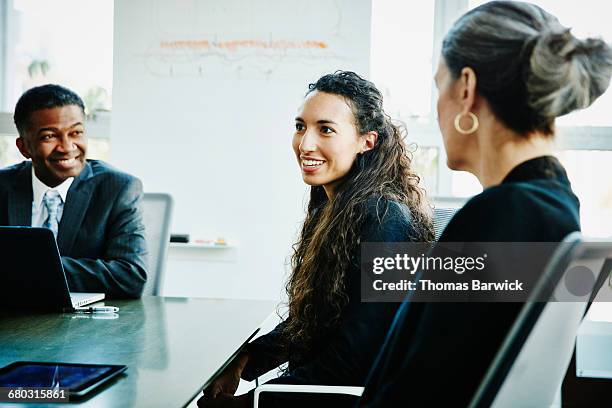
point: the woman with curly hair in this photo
(363, 190)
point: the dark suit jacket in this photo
(344, 355)
(101, 233)
(436, 354)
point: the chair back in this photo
(442, 217)
(530, 366)
(157, 215)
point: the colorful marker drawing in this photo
(236, 45)
(195, 39)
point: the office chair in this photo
(442, 217)
(529, 367)
(157, 215)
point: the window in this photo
(401, 67)
(405, 45)
(406, 37)
(69, 42)
(8, 152)
(401, 57)
(588, 172)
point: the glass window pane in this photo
(69, 42)
(98, 149)
(8, 151)
(464, 184)
(588, 172)
(585, 170)
(401, 56)
(425, 164)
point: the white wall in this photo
(210, 120)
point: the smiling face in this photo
(326, 141)
(55, 141)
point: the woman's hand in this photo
(226, 401)
(227, 382)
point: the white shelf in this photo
(195, 245)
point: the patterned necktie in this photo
(52, 201)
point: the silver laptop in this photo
(82, 298)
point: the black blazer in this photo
(436, 354)
(347, 353)
(101, 233)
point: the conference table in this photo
(172, 346)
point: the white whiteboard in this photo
(204, 97)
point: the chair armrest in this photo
(313, 389)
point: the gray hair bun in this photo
(565, 73)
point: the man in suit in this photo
(93, 210)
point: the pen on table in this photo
(98, 309)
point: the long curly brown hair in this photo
(330, 235)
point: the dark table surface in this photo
(171, 346)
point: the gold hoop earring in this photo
(474, 127)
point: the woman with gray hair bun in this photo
(507, 70)
(529, 68)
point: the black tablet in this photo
(77, 379)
